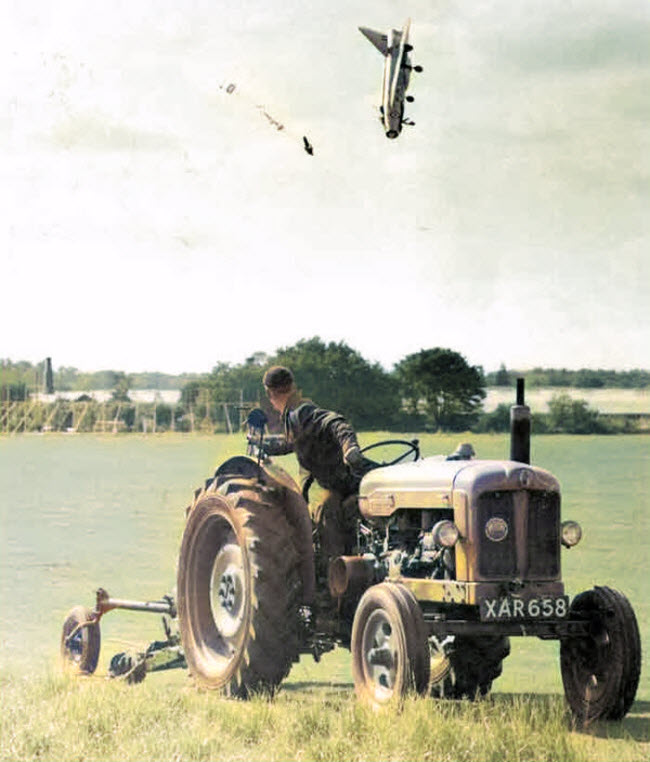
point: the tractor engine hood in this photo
(431, 482)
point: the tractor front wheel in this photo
(389, 646)
(465, 666)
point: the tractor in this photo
(454, 556)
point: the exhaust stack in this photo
(520, 427)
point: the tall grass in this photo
(62, 718)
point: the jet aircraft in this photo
(397, 72)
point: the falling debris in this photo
(232, 88)
(278, 126)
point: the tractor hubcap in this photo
(228, 591)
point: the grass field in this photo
(83, 511)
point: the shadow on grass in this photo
(635, 725)
(315, 685)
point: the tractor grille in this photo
(543, 535)
(497, 559)
(538, 529)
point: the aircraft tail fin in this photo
(379, 40)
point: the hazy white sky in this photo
(152, 221)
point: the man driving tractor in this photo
(328, 452)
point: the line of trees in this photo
(566, 415)
(584, 378)
(18, 380)
(433, 389)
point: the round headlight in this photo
(445, 533)
(571, 533)
(496, 529)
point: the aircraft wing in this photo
(379, 40)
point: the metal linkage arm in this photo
(106, 603)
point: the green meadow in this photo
(83, 511)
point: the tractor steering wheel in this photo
(412, 448)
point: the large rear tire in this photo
(464, 666)
(389, 646)
(600, 671)
(238, 591)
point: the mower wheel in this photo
(80, 641)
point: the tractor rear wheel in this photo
(600, 671)
(464, 666)
(238, 591)
(389, 646)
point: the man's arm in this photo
(274, 444)
(324, 423)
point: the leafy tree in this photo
(571, 416)
(13, 392)
(333, 375)
(584, 378)
(67, 378)
(164, 415)
(239, 382)
(225, 383)
(190, 392)
(18, 380)
(502, 377)
(120, 383)
(127, 414)
(337, 377)
(496, 421)
(442, 382)
(589, 379)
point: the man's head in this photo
(279, 384)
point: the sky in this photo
(154, 218)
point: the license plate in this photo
(511, 608)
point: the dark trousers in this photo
(336, 521)
(297, 514)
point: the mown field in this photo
(82, 511)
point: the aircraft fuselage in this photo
(395, 48)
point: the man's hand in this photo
(353, 458)
(255, 445)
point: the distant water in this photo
(603, 400)
(166, 396)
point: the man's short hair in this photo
(278, 378)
